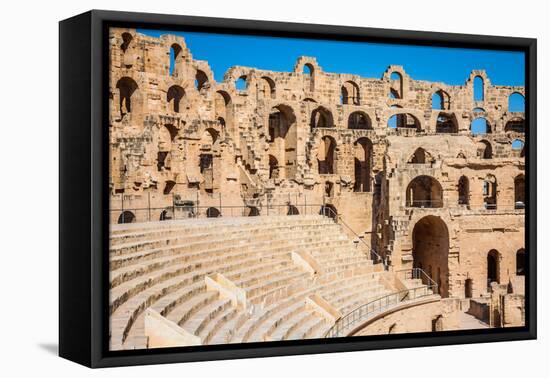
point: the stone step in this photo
(219, 236)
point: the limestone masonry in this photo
(393, 158)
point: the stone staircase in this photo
(164, 266)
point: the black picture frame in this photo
(84, 201)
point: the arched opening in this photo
(127, 57)
(206, 159)
(517, 145)
(359, 121)
(168, 186)
(519, 192)
(266, 88)
(174, 96)
(404, 120)
(446, 124)
(241, 83)
(329, 188)
(176, 59)
(273, 167)
(468, 288)
(437, 101)
(430, 238)
(516, 102)
(484, 150)
(363, 163)
(166, 136)
(420, 156)
(396, 85)
(283, 139)
(126, 40)
(127, 88)
(201, 80)
(516, 124)
(326, 161)
(222, 99)
(350, 93)
(212, 212)
(424, 191)
(309, 81)
(479, 90)
(321, 117)
(221, 123)
(328, 211)
(493, 267)
(292, 210)
(478, 110)
(480, 126)
(490, 192)
(253, 211)
(437, 323)
(520, 262)
(167, 214)
(126, 217)
(463, 191)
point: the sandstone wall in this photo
(376, 150)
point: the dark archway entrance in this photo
(431, 249)
(126, 217)
(212, 212)
(520, 262)
(493, 267)
(424, 191)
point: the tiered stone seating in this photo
(163, 266)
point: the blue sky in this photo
(448, 65)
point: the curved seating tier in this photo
(164, 265)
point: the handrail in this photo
(338, 219)
(425, 203)
(417, 273)
(359, 315)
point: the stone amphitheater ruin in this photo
(272, 205)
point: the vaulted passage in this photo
(424, 191)
(283, 140)
(490, 192)
(326, 156)
(127, 92)
(520, 262)
(363, 165)
(126, 217)
(446, 124)
(493, 267)
(519, 192)
(463, 191)
(321, 117)
(431, 250)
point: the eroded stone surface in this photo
(182, 143)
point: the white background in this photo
(29, 186)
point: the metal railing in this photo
(417, 274)
(429, 204)
(361, 314)
(190, 210)
(490, 206)
(179, 212)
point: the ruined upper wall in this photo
(147, 60)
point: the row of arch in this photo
(426, 192)
(350, 93)
(128, 216)
(321, 117)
